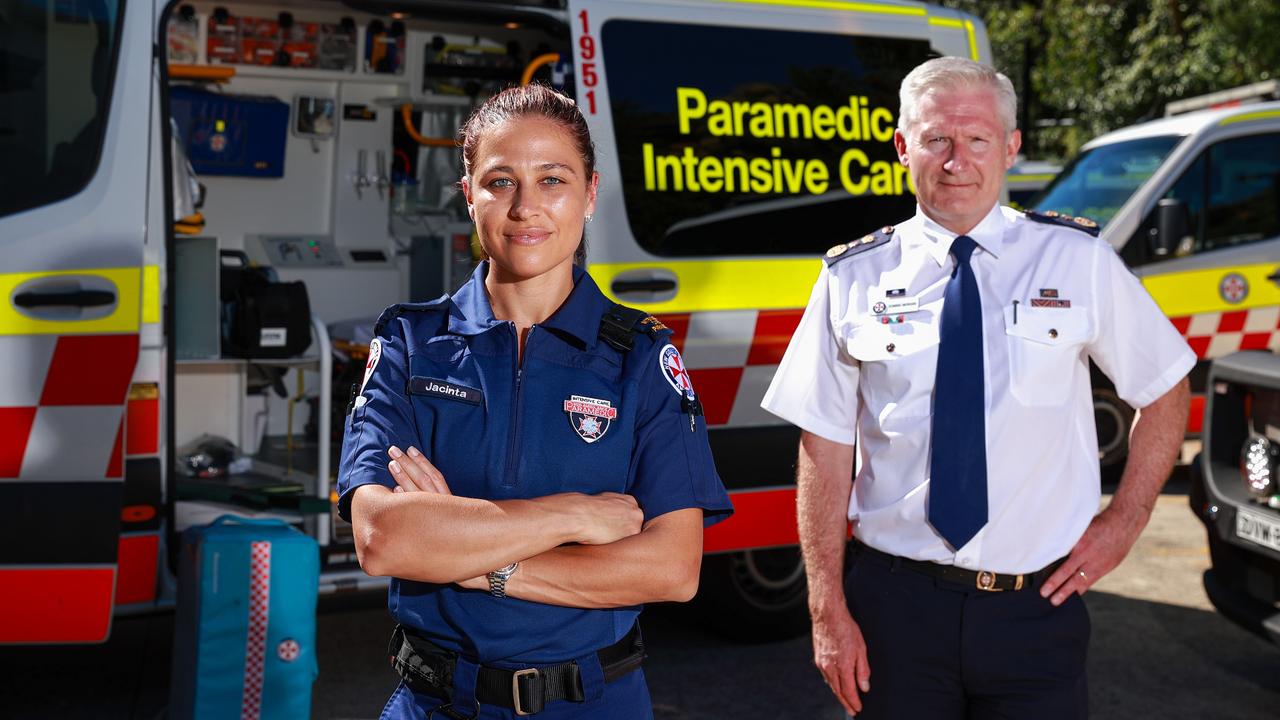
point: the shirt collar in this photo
(988, 234)
(578, 316)
(471, 313)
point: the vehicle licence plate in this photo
(1258, 528)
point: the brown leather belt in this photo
(980, 579)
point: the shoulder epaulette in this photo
(620, 325)
(391, 313)
(1053, 217)
(866, 242)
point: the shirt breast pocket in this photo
(897, 364)
(1045, 348)
(448, 410)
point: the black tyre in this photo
(1113, 418)
(754, 595)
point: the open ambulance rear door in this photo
(737, 141)
(74, 123)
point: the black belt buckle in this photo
(528, 685)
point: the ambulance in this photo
(1190, 203)
(148, 146)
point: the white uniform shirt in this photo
(847, 375)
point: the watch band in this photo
(498, 580)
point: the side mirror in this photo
(1173, 223)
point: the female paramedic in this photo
(526, 459)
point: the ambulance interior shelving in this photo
(355, 198)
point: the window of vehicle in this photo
(756, 141)
(1190, 189)
(1244, 192)
(1232, 194)
(56, 61)
(1099, 181)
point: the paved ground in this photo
(1159, 651)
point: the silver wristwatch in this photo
(498, 579)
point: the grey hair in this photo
(955, 73)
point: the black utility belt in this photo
(980, 579)
(428, 668)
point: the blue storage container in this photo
(231, 134)
(244, 637)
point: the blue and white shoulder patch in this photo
(1053, 217)
(866, 242)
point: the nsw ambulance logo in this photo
(589, 417)
(674, 371)
(1233, 288)
(375, 354)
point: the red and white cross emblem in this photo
(674, 371)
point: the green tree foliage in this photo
(1083, 67)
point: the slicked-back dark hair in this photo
(526, 101)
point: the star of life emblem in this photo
(590, 417)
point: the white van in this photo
(1190, 203)
(737, 140)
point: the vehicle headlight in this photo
(1258, 463)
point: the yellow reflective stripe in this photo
(123, 319)
(1045, 177)
(1260, 115)
(705, 285)
(966, 25)
(836, 5)
(1197, 291)
(151, 294)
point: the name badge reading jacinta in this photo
(432, 387)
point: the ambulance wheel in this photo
(1113, 418)
(754, 595)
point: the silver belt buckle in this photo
(515, 689)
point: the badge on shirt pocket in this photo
(1046, 346)
(589, 417)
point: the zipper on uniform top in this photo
(511, 474)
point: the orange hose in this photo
(216, 73)
(537, 62)
(406, 113)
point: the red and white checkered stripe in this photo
(61, 405)
(731, 357)
(256, 643)
(1214, 334)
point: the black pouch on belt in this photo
(428, 668)
(424, 666)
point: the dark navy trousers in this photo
(943, 651)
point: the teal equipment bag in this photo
(244, 641)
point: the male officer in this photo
(953, 352)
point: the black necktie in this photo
(958, 465)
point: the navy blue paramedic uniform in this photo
(579, 416)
